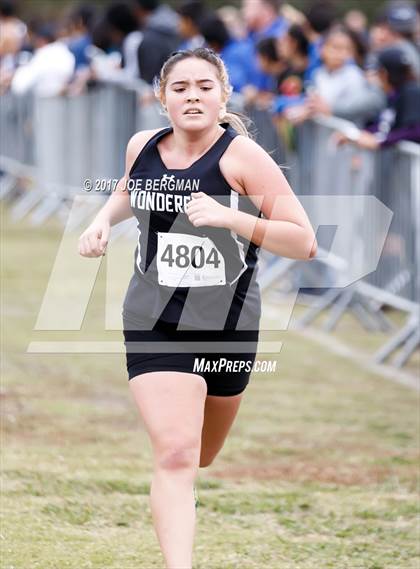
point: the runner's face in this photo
(193, 83)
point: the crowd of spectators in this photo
(295, 65)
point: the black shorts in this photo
(225, 372)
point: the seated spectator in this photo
(339, 86)
(190, 14)
(159, 24)
(236, 55)
(49, 70)
(401, 118)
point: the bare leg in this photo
(219, 415)
(172, 407)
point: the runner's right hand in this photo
(93, 241)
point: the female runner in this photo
(207, 197)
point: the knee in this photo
(178, 454)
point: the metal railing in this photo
(318, 168)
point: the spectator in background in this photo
(401, 118)
(360, 47)
(105, 60)
(12, 37)
(339, 86)
(294, 48)
(417, 29)
(273, 65)
(293, 80)
(263, 20)
(320, 17)
(159, 25)
(287, 59)
(12, 29)
(190, 15)
(270, 61)
(357, 22)
(233, 20)
(51, 67)
(236, 55)
(396, 26)
(124, 34)
(101, 36)
(80, 24)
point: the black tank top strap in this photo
(149, 144)
(218, 149)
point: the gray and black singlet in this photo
(203, 277)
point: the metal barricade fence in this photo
(85, 136)
(391, 175)
(319, 168)
(17, 129)
(397, 184)
(70, 139)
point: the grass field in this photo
(319, 471)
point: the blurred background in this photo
(332, 92)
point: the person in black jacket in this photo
(159, 24)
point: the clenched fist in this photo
(93, 241)
(204, 210)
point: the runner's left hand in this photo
(204, 210)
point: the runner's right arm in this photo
(93, 241)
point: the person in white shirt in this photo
(50, 69)
(339, 87)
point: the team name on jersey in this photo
(153, 201)
(151, 193)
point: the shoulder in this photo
(411, 90)
(243, 148)
(137, 142)
(407, 102)
(242, 159)
(353, 71)
(238, 48)
(140, 138)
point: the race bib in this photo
(189, 260)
